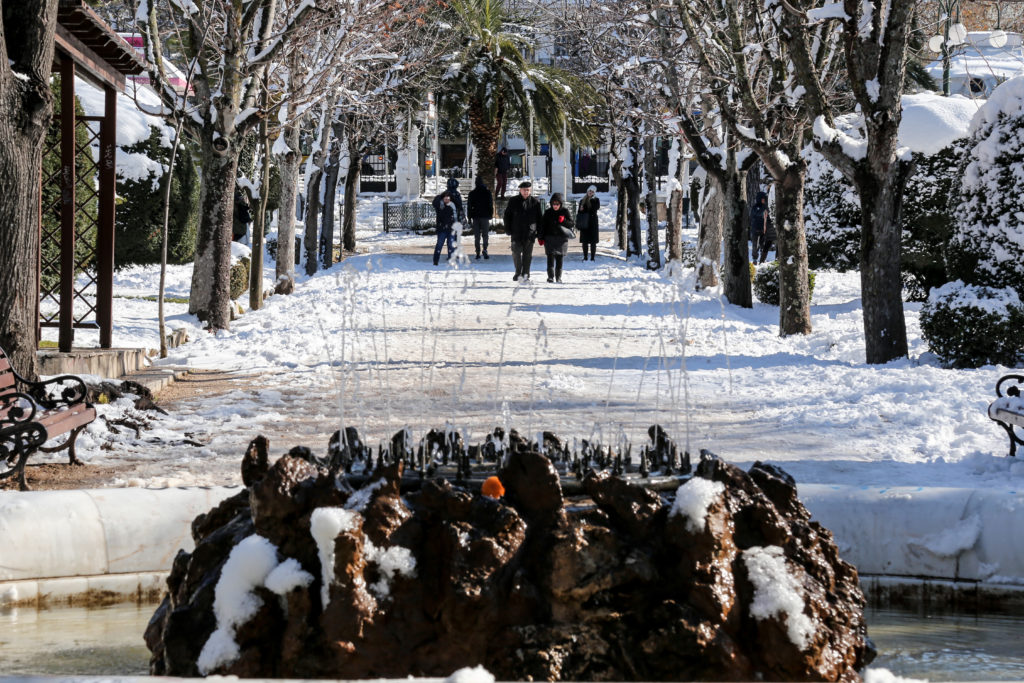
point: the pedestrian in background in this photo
(522, 220)
(556, 228)
(480, 208)
(762, 229)
(502, 164)
(453, 192)
(446, 215)
(586, 222)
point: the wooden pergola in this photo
(87, 47)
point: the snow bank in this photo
(693, 499)
(476, 674)
(777, 592)
(931, 121)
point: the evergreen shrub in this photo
(140, 214)
(239, 278)
(766, 283)
(967, 326)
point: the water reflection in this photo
(74, 641)
(108, 641)
(948, 647)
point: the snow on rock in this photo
(288, 576)
(886, 676)
(325, 524)
(391, 562)
(777, 592)
(694, 498)
(247, 567)
(476, 674)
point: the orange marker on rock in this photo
(492, 488)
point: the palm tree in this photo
(491, 79)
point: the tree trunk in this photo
(734, 221)
(674, 230)
(309, 240)
(794, 295)
(485, 134)
(288, 168)
(26, 105)
(210, 298)
(620, 204)
(330, 193)
(632, 182)
(885, 329)
(259, 227)
(352, 174)
(653, 250)
(709, 235)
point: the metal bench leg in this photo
(69, 444)
(1013, 438)
(19, 468)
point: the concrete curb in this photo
(68, 546)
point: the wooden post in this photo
(67, 204)
(105, 236)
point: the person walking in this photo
(586, 222)
(480, 208)
(502, 164)
(241, 217)
(522, 220)
(555, 230)
(762, 229)
(445, 223)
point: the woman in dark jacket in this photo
(588, 225)
(555, 230)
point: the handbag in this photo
(583, 220)
(567, 232)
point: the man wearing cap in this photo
(522, 218)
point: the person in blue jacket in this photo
(446, 217)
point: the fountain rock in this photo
(301, 576)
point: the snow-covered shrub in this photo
(968, 326)
(766, 283)
(831, 216)
(141, 185)
(929, 200)
(987, 247)
(239, 277)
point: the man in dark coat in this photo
(480, 209)
(241, 217)
(762, 230)
(453, 192)
(555, 231)
(502, 165)
(522, 220)
(445, 209)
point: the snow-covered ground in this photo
(386, 340)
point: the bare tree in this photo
(875, 35)
(232, 43)
(26, 105)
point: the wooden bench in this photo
(1008, 408)
(32, 413)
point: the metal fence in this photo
(414, 216)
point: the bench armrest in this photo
(1010, 391)
(62, 390)
(16, 409)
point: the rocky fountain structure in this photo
(577, 573)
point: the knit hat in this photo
(492, 488)
(592, 188)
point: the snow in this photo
(288, 576)
(990, 300)
(248, 566)
(693, 500)
(393, 561)
(931, 122)
(980, 62)
(777, 593)
(325, 524)
(477, 674)
(830, 10)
